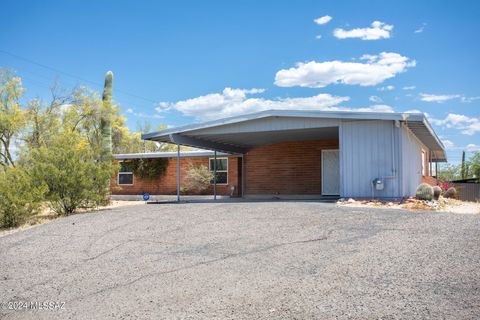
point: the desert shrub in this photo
(198, 178)
(437, 191)
(450, 193)
(19, 198)
(149, 168)
(424, 192)
(74, 176)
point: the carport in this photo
(356, 137)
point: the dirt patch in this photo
(47, 215)
(442, 205)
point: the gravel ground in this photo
(258, 260)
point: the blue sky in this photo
(178, 62)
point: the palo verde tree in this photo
(12, 118)
(70, 169)
(64, 148)
(44, 117)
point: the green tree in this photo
(449, 172)
(72, 172)
(125, 141)
(19, 197)
(12, 117)
(474, 164)
(44, 120)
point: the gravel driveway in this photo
(275, 260)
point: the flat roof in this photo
(289, 113)
(200, 134)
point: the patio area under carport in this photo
(281, 157)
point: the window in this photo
(424, 158)
(222, 170)
(125, 175)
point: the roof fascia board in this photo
(185, 154)
(200, 143)
(287, 113)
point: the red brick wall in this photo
(430, 180)
(286, 168)
(427, 178)
(167, 183)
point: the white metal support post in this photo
(178, 172)
(243, 175)
(215, 175)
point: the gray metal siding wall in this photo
(369, 150)
(410, 162)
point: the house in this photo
(125, 183)
(309, 154)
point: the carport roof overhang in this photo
(239, 134)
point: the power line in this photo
(73, 76)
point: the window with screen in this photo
(222, 170)
(125, 175)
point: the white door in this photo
(330, 172)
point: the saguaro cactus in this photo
(106, 118)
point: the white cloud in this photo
(467, 125)
(413, 111)
(387, 88)
(375, 99)
(473, 147)
(377, 30)
(440, 98)
(420, 29)
(374, 108)
(233, 102)
(448, 144)
(318, 36)
(129, 110)
(323, 20)
(468, 99)
(375, 70)
(409, 88)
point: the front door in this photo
(330, 173)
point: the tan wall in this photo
(167, 183)
(286, 168)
